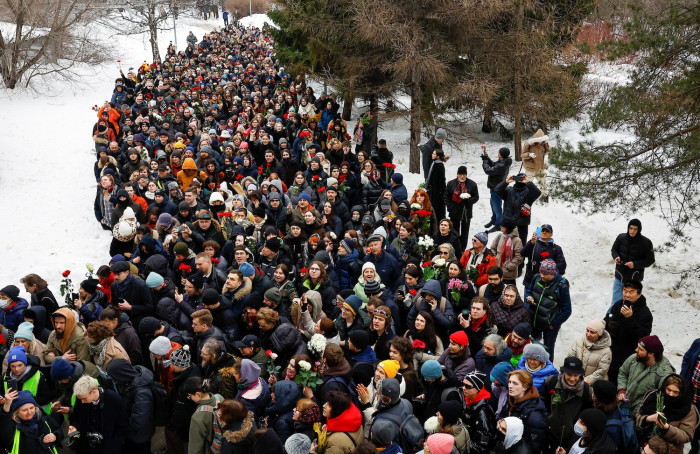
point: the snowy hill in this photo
(48, 188)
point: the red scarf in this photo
(475, 325)
(459, 189)
(519, 350)
(483, 394)
(14, 303)
(106, 286)
(507, 251)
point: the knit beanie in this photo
(181, 357)
(431, 370)
(359, 339)
(441, 443)
(397, 178)
(23, 397)
(504, 152)
(450, 410)
(597, 325)
(353, 302)
(523, 330)
(500, 372)
(154, 280)
(460, 338)
(536, 351)
(25, 330)
(181, 248)
(652, 344)
(441, 134)
(17, 353)
(391, 367)
(246, 269)
(149, 325)
(372, 288)
(297, 444)
(548, 267)
(348, 244)
(476, 378)
(11, 290)
(483, 237)
(605, 391)
(89, 285)
(160, 346)
(61, 369)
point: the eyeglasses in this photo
(444, 252)
(314, 269)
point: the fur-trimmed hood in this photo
(242, 291)
(538, 137)
(240, 434)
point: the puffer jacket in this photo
(596, 357)
(541, 375)
(510, 268)
(514, 197)
(530, 409)
(281, 410)
(637, 379)
(480, 419)
(139, 406)
(506, 317)
(12, 316)
(538, 145)
(348, 269)
(285, 340)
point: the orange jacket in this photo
(185, 180)
(114, 117)
(141, 201)
(482, 267)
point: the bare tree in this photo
(147, 16)
(45, 38)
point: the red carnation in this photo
(552, 392)
(268, 164)
(544, 255)
(213, 260)
(184, 267)
(387, 165)
(316, 178)
(428, 263)
(239, 176)
(66, 273)
(413, 292)
(304, 270)
(268, 352)
(321, 189)
(418, 344)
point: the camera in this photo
(94, 439)
(518, 178)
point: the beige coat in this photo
(113, 350)
(539, 146)
(678, 434)
(594, 356)
(339, 443)
(510, 269)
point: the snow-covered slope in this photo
(47, 186)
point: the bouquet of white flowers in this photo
(425, 244)
(317, 345)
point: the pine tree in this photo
(660, 165)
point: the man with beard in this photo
(517, 340)
(642, 372)
(131, 294)
(492, 291)
(632, 252)
(460, 195)
(67, 340)
(628, 321)
(213, 361)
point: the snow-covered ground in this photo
(48, 190)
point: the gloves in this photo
(464, 196)
(532, 155)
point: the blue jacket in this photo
(366, 356)
(281, 411)
(399, 193)
(539, 376)
(443, 321)
(690, 359)
(348, 269)
(13, 315)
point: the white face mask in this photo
(4, 303)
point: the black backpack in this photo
(162, 405)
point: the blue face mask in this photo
(579, 430)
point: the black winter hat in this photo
(210, 297)
(450, 410)
(11, 291)
(89, 285)
(605, 391)
(504, 152)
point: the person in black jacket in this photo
(460, 196)
(202, 323)
(100, 417)
(497, 172)
(435, 183)
(134, 384)
(177, 430)
(131, 293)
(124, 333)
(25, 428)
(628, 321)
(539, 248)
(632, 252)
(41, 296)
(594, 438)
(426, 150)
(517, 202)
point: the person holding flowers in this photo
(426, 344)
(422, 215)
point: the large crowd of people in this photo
(273, 286)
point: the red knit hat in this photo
(460, 337)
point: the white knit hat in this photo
(160, 346)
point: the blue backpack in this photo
(630, 445)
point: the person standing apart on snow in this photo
(497, 172)
(435, 183)
(426, 150)
(632, 252)
(460, 196)
(535, 157)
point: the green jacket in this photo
(637, 379)
(202, 425)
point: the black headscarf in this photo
(675, 408)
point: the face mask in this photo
(579, 430)
(4, 303)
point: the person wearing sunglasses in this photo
(381, 331)
(478, 416)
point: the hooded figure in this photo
(72, 338)
(636, 249)
(254, 392)
(594, 438)
(134, 384)
(281, 410)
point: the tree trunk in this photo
(487, 122)
(153, 39)
(518, 111)
(374, 119)
(414, 162)
(348, 99)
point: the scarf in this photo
(100, 350)
(124, 286)
(507, 251)
(675, 408)
(476, 325)
(567, 387)
(517, 351)
(483, 394)
(532, 371)
(459, 189)
(30, 427)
